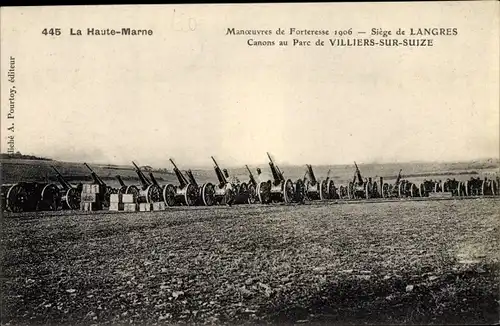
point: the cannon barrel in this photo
(64, 183)
(144, 181)
(358, 174)
(311, 174)
(277, 175)
(218, 172)
(398, 179)
(250, 175)
(182, 179)
(153, 179)
(120, 180)
(191, 178)
(95, 177)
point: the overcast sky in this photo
(190, 94)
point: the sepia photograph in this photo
(238, 164)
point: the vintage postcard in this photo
(323, 163)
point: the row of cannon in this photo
(36, 196)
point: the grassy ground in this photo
(396, 262)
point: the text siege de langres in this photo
(349, 37)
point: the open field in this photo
(389, 262)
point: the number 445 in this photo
(51, 31)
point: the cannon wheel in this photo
(413, 190)
(190, 195)
(252, 194)
(421, 190)
(300, 191)
(229, 197)
(243, 189)
(494, 188)
(132, 190)
(153, 194)
(367, 191)
(350, 190)
(323, 190)
(400, 190)
(50, 198)
(330, 189)
(385, 190)
(467, 191)
(207, 194)
(288, 191)
(72, 198)
(16, 198)
(169, 195)
(264, 192)
(483, 187)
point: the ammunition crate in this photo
(145, 207)
(128, 199)
(159, 206)
(115, 198)
(128, 207)
(88, 197)
(116, 206)
(89, 206)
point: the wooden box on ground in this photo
(159, 206)
(129, 207)
(116, 207)
(145, 207)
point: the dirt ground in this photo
(392, 262)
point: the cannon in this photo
(489, 187)
(451, 185)
(105, 191)
(252, 187)
(71, 195)
(426, 187)
(188, 193)
(362, 189)
(30, 197)
(281, 189)
(226, 192)
(149, 192)
(318, 190)
(167, 191)
(127, 190)
(206, 192)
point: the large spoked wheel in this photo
(190, 195)
(264, 192)
(288, 191)
(154, 194)
(169, 195)
(50, 198)
(16, 198)
(208, 194)
(323, 190)
(350, 190)
(330, 189)
(229, 197)
(494, 188)
(243, 189)
(252, 194)
(421, 190)
(72, 199)
(413, 190)
(132, 190)
(367, 191)
(300, 191)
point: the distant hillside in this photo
(15, 170)
(20, 156)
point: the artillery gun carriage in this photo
(206, 192)
(71, 195)
(188, 193)
(149, 192)
(226, 192)
(127, 190)
(252, 187)
(362, 189)
(319, 190)
(280, 189)
(105, 191)
(30, 197)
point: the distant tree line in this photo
(18, 155)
